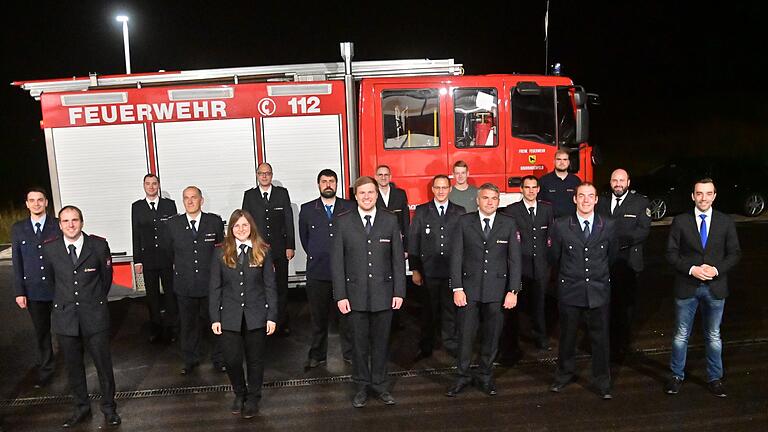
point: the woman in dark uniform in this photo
(243, 307)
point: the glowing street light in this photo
(124, 19)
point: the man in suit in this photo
(152, 256)
(533, 218)
(368, 273)
(702, 248)
(316, 220)
(33, 291)
(80, 268)
(582, 246)
(558, 186)
(632, 219)
(193, 237)
(430, 235)
(270, 206)
(393, 199)
(485, 276)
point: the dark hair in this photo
(37, 189)
(327, 173)
(704, 180)
(71, 207)
(529, 177)
(441, 176)
(584, 184)
(364, 180)
(489, 186)
(384, 166)
(461, 163)
(150, 175)
(259, 249)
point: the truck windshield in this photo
(533, 116)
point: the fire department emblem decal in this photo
(532, 159)
(267, 107)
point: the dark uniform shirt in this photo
(559, 192)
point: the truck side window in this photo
(411, 118)
(533, 116)
(475, 115)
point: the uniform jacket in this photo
(429, 239)
(633, 223)
(192, 255)
(559, 193)
(81, 289)
(151, 247)
(398, 204)
(367, 269)
(533, 237)
(274, 219)
(316, 233)
(486, 269)
(245, 292)
(684, 251)
(28, 278)
(583, 277)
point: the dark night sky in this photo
(673, 79)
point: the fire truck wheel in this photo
(658, 208)
(754, 204)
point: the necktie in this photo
(586, 229)
(194, 230)
(618, 202)
(329, 211)
(487, 227)
(38, 231)
(152, 204)
(243, 250)
(533, 215)
(368, 225)
(703, 230)
(442, 211)
(266, 197)
(72, 253)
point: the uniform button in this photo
(242, 294)
(77, 304)
(25, 278)
(442, 228)
(586, 269)
(195, 270)
(331, 234)
(534, 254)
(370, 264)
(370, 275)
(485, 271)
(267, 226)
(534, 228)
(310, 257)
(39, 246)
(241, 273)
(369, 252)
(313, 227)
(586, 259)
(195, 251)
(43, 277)
(195, 261)
(486, 260)
(485, 242)
(75, 282)
(369, 241)
(75, 292)
(155, 237)
(440, 237)
(241, 283)
(587, 279)
(441, 245)
(157, 245)
(75, 272)
(486, 251)
(42, 267)
(41, 257)
(441, 253)
(194, 241)
(534, 245)
(242, 304)
(586, 249)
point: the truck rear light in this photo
(94, 99)
(201, 93)
(299, 90)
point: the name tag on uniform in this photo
(569, 190)
(545, 227)
(502, 241)
(397, 211)
(278, 208)
(210, 234)
(210, 239)
(254, 265)
(630, 215)
(89, 270)
(552, 191)
(384, 240)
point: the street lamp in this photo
(124, 19)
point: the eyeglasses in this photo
(264, 173)
(441, 187)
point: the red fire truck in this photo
(211, 128)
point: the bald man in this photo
(632, 218)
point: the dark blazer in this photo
(633, 223)
(192, 255)
(583, 277)
(684, 251)
(150, 238)
(81, 289)
(273, 219)
(533, 237)
(28, 278)
(244, 292)
(486, 269)
(367, 269)
(398, 204)
(315, 233)
(429, 239)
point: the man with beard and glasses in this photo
(316, 220)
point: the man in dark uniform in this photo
(34, 292)
(193, 237)
(316, 220)
(270, 206)
(533, 218)
(632, 219)
(152, 256)
(393, 199)
(559, 186)
(368, 272)
(430, 234)
(485, 276)
(582, 246)
(80, 267)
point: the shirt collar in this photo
(196, 219)
(41, 221)
(363, 214)
(527, 205)
(248, 243)
(438, 204)
(268, 190)
(591, 220)
(491, 217)
(78, 243)
(156, 200)
(699, 212)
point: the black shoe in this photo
(313, 363)
(154, 337)
(188, 369)
(76, 418)
(237, 405)
(717, 388)
(557, 386)
(219, 366)
(673, 385)
(348, 361)
(606, 395)
(250, 409)
(43, 382)
(112, 419)
(360, 399)
(489, 389)
(543, 345)
(457, 388)
(386, 398)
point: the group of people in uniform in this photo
(472, 262)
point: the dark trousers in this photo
(157, 302)
(534, 296)
(249, 344)
(321, 307)
(98, 347)
(40, 312)
(489, 318)
(370, 335)
(281, 280)
(438, 315)
(597, 327)
(193, 320)
(623, 293)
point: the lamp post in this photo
(124, 19)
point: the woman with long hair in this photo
(243, 307)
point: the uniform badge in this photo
(518, 236)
